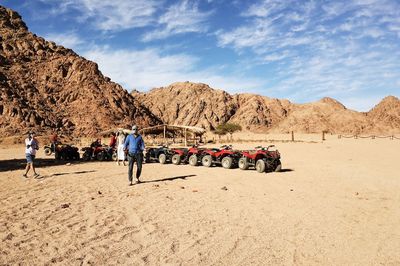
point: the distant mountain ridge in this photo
(197, 104)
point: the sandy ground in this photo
(336, 203)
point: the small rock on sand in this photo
(224, 188)
(65, 205)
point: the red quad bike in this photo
(98, 152)
(225, 156)
(182, 155)
(264, 159)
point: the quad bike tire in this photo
(176, 159)
(243, 163)
(100, 156)
(260, 166)
(227, 162)
(76, 156)
(278, 166)
(162, 158)
(48, 151)
(57, 155)
(114, 156)
(147, 158)
(193, 160)
(206, 161)
(63, 156)
(86, 156)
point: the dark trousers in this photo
(132, 158)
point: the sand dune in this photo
(336, 203)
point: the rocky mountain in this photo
(197, 104)
(385, 116)
(45, 86)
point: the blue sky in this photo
(299, 50)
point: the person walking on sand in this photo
(134, 147)
(31, 146)
(120, 148)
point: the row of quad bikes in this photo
(71, 153)
(263, 159)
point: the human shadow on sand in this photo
(183, 177)
(20, 164)
(67, 173)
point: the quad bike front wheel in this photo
(100, 156)
(206, 160)
(48, 151)
(162, 158)
(114, 156)
(260, 166)
(193, 160)
(176, 159)
(227, 162)
(243, 163)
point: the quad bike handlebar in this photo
(226, 147)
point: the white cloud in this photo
(146, 69)
(333, 48)
(113, 15)
(68, 40)
(182, 17)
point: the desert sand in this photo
(335, 203)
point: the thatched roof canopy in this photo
(159, 129)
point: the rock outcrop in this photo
(385, 116)
(45, 86)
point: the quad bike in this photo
(159, 154)
(64, 152)
(264, 159)
(192, 155)
(100, 153)
(225, 156)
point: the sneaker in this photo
(25, 175)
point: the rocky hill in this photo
(385, 116)
(197, 104)
(45, 86)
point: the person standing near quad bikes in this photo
(31, 146)
(134, 147)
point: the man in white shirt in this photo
(31, 146)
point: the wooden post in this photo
(323, 135)
(185, 137)
(292, 136)
(165, 131)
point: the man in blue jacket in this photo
(134, 147)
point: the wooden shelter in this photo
(167, 131)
